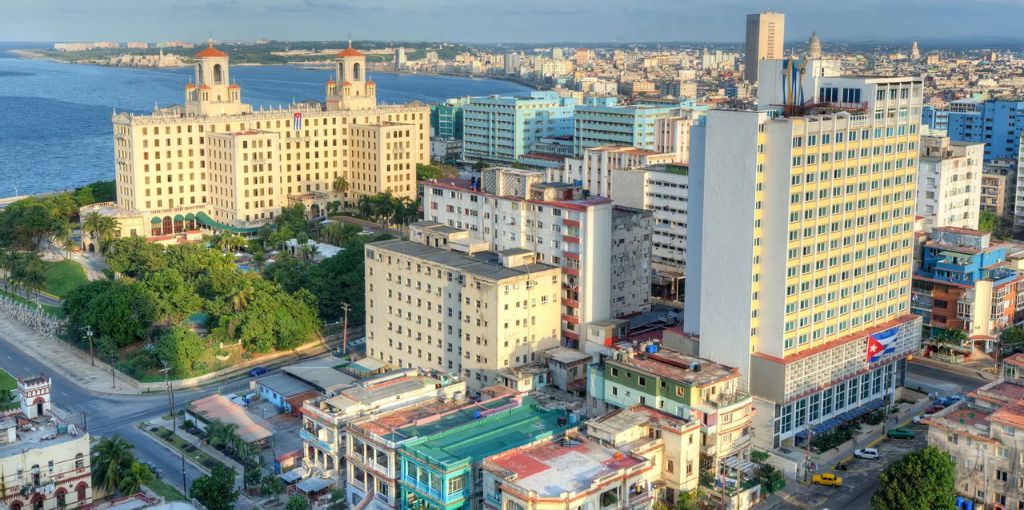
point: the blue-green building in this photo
(440, 467)
(446, 119)
(603, 121)
(502, 128)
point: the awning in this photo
(178, 217)
(205, 219)
(367, 365)
(293, 475)
(155, 220)
(190, 216)
(314, 484)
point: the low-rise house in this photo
(284, 391)
(571, 472)
(44, 457)
(251, 428)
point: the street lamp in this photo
(344, 336)
(88, 333)
(174, 421)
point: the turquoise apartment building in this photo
(446, 119)
(500, 129)
(440, 468)
(603, 121)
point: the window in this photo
(456, 484)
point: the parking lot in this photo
(860, 480)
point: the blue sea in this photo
(55, 130)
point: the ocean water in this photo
(55, 130)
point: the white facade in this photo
(663, 190)
(515, 209)
(593, 171)
(949, 182)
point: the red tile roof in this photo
(234, 86)
(350, 52)
(331, 82)
(211, 52)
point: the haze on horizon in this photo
(483, 21)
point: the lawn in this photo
(8, 383)
(165, 490)
(63, 277)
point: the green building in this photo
(440, 468)
(446, 119)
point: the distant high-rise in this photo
(399, 58)
(557, 54)
(915, 53)
(814, 46)
(765, 33)
(512, 63)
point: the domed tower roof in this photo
(350, 52)
(814, 46)
(211, 52)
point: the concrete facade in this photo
(949, 182)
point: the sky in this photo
(482, 21)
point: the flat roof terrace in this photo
(572, 466)
(489, 435)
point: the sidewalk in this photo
(64, 359)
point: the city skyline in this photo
(475, 21)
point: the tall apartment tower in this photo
(765, 34)
(800, 246)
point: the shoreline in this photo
(36, 55)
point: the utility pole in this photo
(174, 421)
(92, 357)
(167, 385)
(344, 336)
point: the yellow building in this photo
(472, 315)
(218, 163)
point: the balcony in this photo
(309, 438)
(570, 319)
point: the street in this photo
(108, 415)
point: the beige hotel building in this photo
(217, 163)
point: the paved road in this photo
(922, 373)
(108, 415)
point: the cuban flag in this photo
(297, 121)
(880, 344)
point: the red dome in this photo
(190, 86)
(331, 82)
(346, 84)
(204, 87)
(234, 86)
(371, 82)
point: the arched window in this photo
(16, 505)
(79, 461)
(168, 225)
(357, 72)
(62, 497)
(218, 74)
(37, 501)
(81, 492)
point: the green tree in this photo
(340, 186)
(112, 458)
(427, 172)
(253, 475)
(122, 311)
(691, 500)
(134, 478)
(174, 298)
(25, 224)
(103, 229)
(135, 257)
(271, 486)
(338, 499)
(222, 435)
(61, 235)
(989, 221)
(217, 490)
(1012, 337)
(366, 206)
(950, 338)
(180, 348)
(297, 503)
(922, 480)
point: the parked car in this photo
(828, 479)
(258, 371)
(948, 401)
(866, 453)
(900, 433)
(921, 417)
(934, 409)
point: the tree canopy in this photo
(426, 172)
(922, 480)
(180, 347)
(121, 310)
(216, 491)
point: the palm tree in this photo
(366, 206)
(111, 459)
(61, 235)
(222, 435)
(6, 399)
(102, 228)
(385, 206)
(340, 186)
(134, 478)
(241, 294)
(309, 251)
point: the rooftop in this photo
(675, 366)
(251, 428)
(999, 391)
(321, 373)
(1015, 360)
(1011, 414)
(566, 355)
(42, 432)
(488, 435)
(483, 265)
(556, 467)
(284, 384)
(380, 393)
